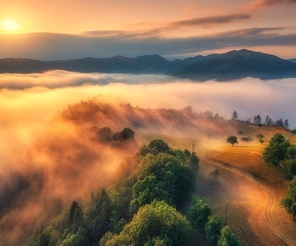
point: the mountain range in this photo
(227, 66)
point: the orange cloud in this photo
(257, 4)
(191, 9)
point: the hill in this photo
(227, 66)
(238, 64)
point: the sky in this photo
(55, 29)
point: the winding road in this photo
(243, 202)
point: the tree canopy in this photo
(289, 202)
(199, 213)
(213, 230)
(155, 222)
(228, 238)
(275, 152)
(232, 140)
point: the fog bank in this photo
(47, 161)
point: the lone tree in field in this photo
(260, 137)
(246, 139)
(232, 140)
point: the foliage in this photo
(234, 115)
(155, 222)
(162, 177)
(232, 140)
(108, 236)
(198, 213)
(49, 236)
(213, 230)
(246, 139)
(125, 135)
(76, 239)
(228, 238)
(72, 219)
(147, 190)
(105, 135)
(260, 137)
(291, 152)
(98, 216)
(275, 152)
(158, 146)
(257, 119)
(290, 166)
(289, 202)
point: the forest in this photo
(155, 204)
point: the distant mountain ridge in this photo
(235, 64)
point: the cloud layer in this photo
(49, 46)
(61, 88)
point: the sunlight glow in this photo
(9, 25)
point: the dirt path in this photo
(247, 202)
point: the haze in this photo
(47, 161)
(53, 91)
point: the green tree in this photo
(246, 139)
(98, 216)
(105, 134)
(213, 230)
(257, 119)
(48, 237)
(72, 220)
(162, 177)
(125, 135)
(234, 115)
(147, 190)
(291, 152)
(76, 239)
(275, 152)
(155, 222)
(108, 236)
(290, 166)
(158, 146)
(289, 202)
(232, 140)
(199, 213)
(228, 238)
(260, 137)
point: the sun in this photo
(9, 25)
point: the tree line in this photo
(258, 120)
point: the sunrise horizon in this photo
(54, 30)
